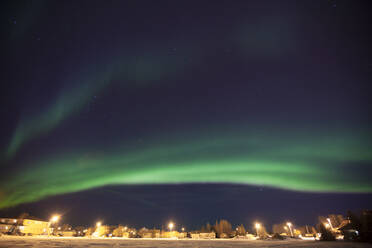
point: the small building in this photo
(149, 233)
(7, 224)
(156, 233)
(35, 227)
(173, 234)
(209, 235)
(146, 235)
(24, 226)
(195, 235)
(182, 235)
(4, 228)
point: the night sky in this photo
(138, 112)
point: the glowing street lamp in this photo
(170, 226)
(96, 232)
(53, 219)
(289, 224)
(183, 229)
(258, 226)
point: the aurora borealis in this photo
(246, 93)
(64, 106)
(318, 165)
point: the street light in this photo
(289, 224)
(96, 232)
(53, 219)
(171, 225)
(183, 229)
(258, 226)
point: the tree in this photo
(281, 228)
(262, 233)
(90, 231)
(336, 220)
(332, 220)
(222, 227)
(24, 215)
(240, 230)
(143, 231)
(118, 231)
(66, 227)
(206, 228)
(307, 230)
(326, 234)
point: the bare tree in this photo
(240, 230)
(222, 227)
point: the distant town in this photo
(352, 227)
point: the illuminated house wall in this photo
(26, 226)
(6, 224)
(35, 227)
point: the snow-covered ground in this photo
(42, 242)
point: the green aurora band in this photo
(68, 103)
(288, 160)
(146, 67)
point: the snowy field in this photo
(42, 242)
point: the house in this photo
(24, 226)
(195, 235)
(209, 235)
(173, 234)
(182, 235)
